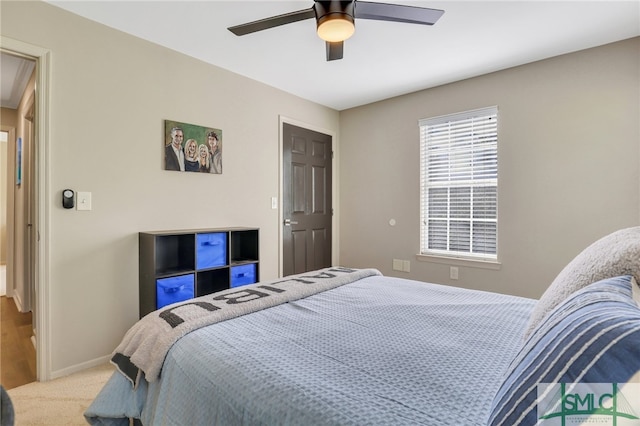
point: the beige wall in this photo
(3, 204)
(569, 152)
(110, 93)
(8, 120)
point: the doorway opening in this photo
(18, 357)
(32, 131)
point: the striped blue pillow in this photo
(598, 325)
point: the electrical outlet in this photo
(397, 265)
(453, 272)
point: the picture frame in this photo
(19, 162)
(192, 148)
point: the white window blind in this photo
(459, 184)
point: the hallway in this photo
(17, 353)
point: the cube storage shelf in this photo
(179, 265)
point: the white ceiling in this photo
(15, 72)
(382, 59)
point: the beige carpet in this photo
(61, 401)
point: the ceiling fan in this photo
(335, 20)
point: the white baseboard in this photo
(17, 301)
(80, 367)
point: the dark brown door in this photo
(306, 200)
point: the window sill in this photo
(460, 261)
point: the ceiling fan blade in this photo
(274, 21)
(334, 50)
(396, 13)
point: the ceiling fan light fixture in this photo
(336, 27)
(335, 20)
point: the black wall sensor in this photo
(68, 198)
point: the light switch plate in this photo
(83, 201)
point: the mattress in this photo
(378, 351)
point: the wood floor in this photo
(17, 354)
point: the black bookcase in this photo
(179, 265)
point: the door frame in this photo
(335, 222)
(42, 208)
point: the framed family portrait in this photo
(192, 148)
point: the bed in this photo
(344, 346)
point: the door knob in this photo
(289, 222)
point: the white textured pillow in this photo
(611, 256)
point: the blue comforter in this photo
(380, 351)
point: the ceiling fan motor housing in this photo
(334, 10)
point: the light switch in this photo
(274, 202)
(83, 201)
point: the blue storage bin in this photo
(174, 289)
(243, 275)
(211, 250)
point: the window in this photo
(459, 184)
